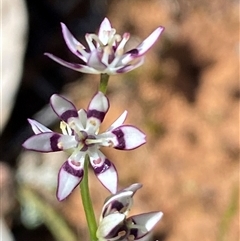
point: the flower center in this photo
(84, 140)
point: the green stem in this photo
(103, 83)
(87, 202)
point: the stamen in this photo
(90, 38)
(93, 141)
(106, 52)
(74, 127)
(63, 127)
(131, 237)
(120, 48)
(116, 38)
(81, 50)
(69, 130)
(122, 233)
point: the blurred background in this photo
(185, 97)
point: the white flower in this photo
(80, 137)
(105, 53)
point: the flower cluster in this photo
(114, 224)
(81, 140)
(106, 51)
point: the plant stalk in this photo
(87, 202)
(103, 83)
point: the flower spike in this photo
(80, 137)
(105, 53)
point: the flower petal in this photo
(119, 121)
(129, 67)
(120, 202)
(69, 176)
(133, 188)
(38, 127)
(73, 44)
(99, 103)
(95, 62)
(144, 222)
(74, 66)
(96, 112)
(126, 137)
(49, 142)
(104, 27)
(104, 170)
(149, 41)
(108, 176)
(81, 121)
(144, 46)
(63, 107)
(109, 227)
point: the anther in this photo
(122, 233)
(131, 237)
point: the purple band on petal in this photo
(54, 142)
(134, 232)
(123, 69)
(97, 114)
(75, 172)
(67, 114)
(106, 165)
(120, 137)
(133, 52)
(115, 206)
